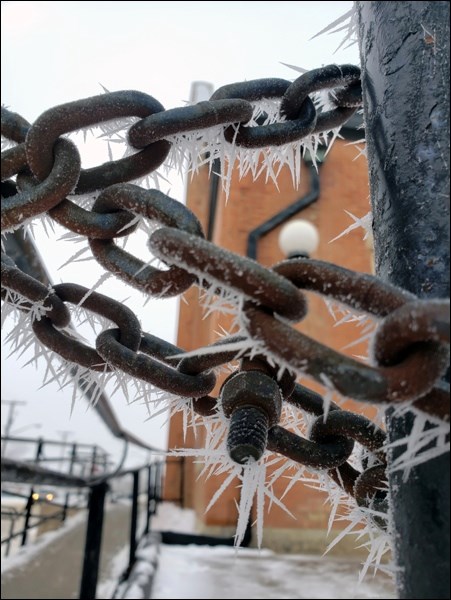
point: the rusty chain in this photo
(411, 344)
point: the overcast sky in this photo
(56, 52)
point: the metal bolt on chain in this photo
(253, 402)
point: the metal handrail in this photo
(17, 471)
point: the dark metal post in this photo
(73, 455)
(13, 514)
(149, 499)
(30, 501)
(28, 510)
(93, 461)
(133, 521)
(91, 559)
(159, 481)
(404, 50)
(153, 489)
(182, 483)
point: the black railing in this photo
(30, 518)
(97, 488)
(30, 471)
(98, 493)
(10, 514)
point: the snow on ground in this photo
(221, 572)
(107, 585)
(173, 518)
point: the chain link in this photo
(60, 181)
(411, 344)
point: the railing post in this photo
(404, 50)
(73, 455)
(182, 482)
(133, 521)
(28, 509)
(93, 461)
(153, 488)
(30, 501)
(159, 480)
(93, 542)
(149, 498)
(14, 514)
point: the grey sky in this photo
(55, 52)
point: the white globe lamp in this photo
(298, 238)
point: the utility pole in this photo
(404, 49)
(9, 420)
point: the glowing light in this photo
(299, 237)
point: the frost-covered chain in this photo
(252, 397)
(408, 371)
(410, 347)
(57, 168)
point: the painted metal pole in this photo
(149, 498)
(93, 542)
(30, 501)
(73, 456)
(404, 49)
(133, 522)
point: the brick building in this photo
(342, 183)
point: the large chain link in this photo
(411, 344)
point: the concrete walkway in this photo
(56, 571)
